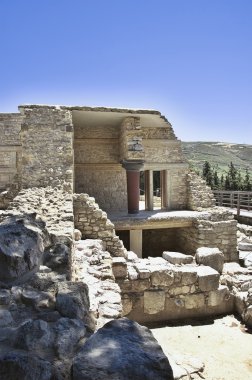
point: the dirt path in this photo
(224, 347)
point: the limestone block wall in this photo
(155, 290)
(47, 144)
(10, 125)
(10, 150)
(94, 224)
(131, 139)
(220, 230)
(177, 188)
(97, 168)
(199, 194)
(106, 184)
(163, 151)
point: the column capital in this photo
(133, 165)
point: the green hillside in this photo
(219, 155)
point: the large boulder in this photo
(72, 300)
(21, 249)
(23, 366)
(121, 350)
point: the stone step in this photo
(177, 257)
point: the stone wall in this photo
(10, 125)
(97, 168)
(10, 153)
(178, 192)
(106, 184)
(53, 205)
(219, 229)
(47, 143)
(94, 224)
(199, 194)
(155, 290)
(131, 139)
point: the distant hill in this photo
(219, 155)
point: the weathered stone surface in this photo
(211, 257)
(21, 249)
(24, 366)
(194, 301)
(77, 234)
(240, 302)
(34, 336)
(119, 267)
(154, 301)
(142, 270)
(121, 350)
(37, 299)
(177, 258)
(248, 260)
(58, 257)
(186, 275)
(248, 316)
(208, 278)
(5, 297)
(67, 332)
(127, 305)
(5, 318)
(216, 297)
(72, 300)
(162, 277)
(245, 246)
(132, 256)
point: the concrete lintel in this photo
(119, 226)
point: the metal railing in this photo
(240, 200)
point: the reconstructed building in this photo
(101, 152)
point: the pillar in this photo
(148, 187)
(133, 168)
(136, 242)
(164, 189)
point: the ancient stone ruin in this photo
(79, 251)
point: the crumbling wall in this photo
(47, 143)
(199, 194)
(218, 229)
(94, 224)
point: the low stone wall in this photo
(219, 229)
(92, 264)
(55, 207)
(155, 290)
(94, 224)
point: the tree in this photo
(207, 173)
(216, 181)
(231, 179)
(247, 186)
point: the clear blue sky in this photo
(190, 59)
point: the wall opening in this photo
(124, 235)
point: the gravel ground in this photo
(224, 345)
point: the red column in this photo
(133, 178)
(133, 168)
